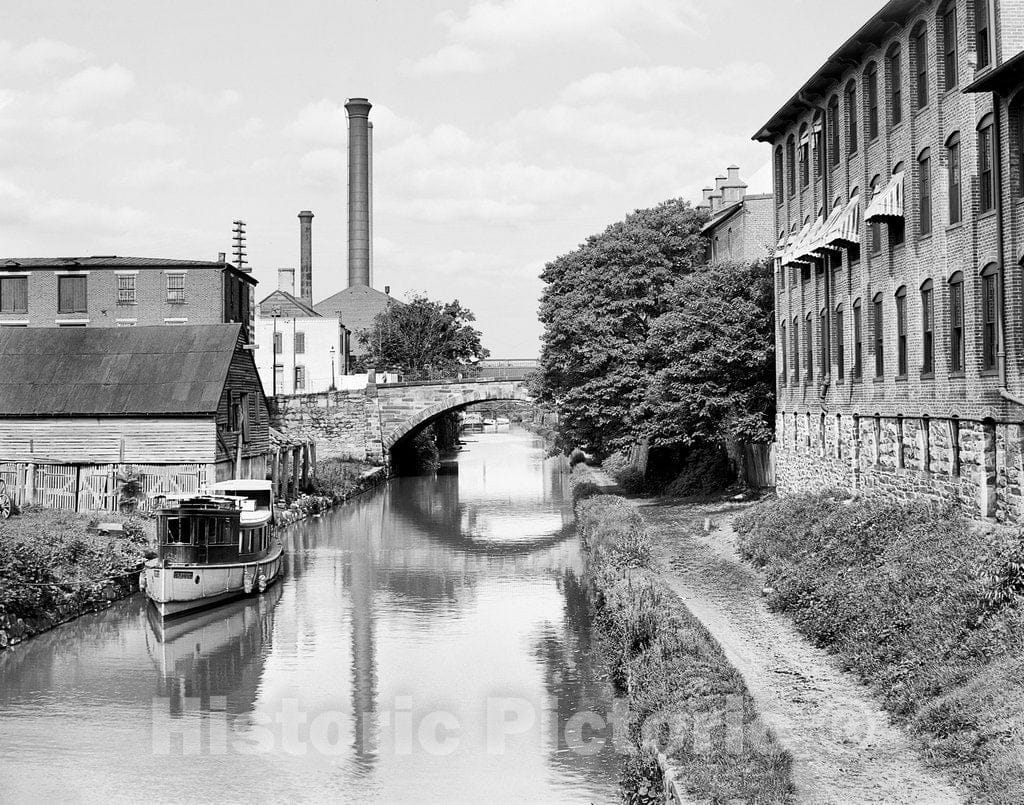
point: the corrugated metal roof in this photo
(114, 371)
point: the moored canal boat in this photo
(212, 547)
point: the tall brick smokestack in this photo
(306, 257)
(358, 110)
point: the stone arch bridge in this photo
(364, 425)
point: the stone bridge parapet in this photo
(364, 425)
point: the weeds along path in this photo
(844, 748)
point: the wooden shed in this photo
(182, 405)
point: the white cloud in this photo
(324, 167)
(325, 122)
(649, 83)
(91, 87)
(40, 56)
(490, 32)
(459, 58)
(140, 132)
(207, 101)
(22, 208)
(155, 173)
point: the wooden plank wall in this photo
(107, 440)
(243, 378)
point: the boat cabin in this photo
(212, 529)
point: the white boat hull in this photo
(176, 590)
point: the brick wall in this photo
(204, 298)
(903, 440)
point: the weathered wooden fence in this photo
(759, 465)
(96, 487)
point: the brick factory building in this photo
(899, 183)
(740, 227)
(121, 292)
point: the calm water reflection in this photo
(429, 642)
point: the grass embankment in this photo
(335, 481)
(922, 605)
(54, 567)
(685, 698)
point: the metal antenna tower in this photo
(239, 244)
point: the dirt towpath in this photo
(844, 748)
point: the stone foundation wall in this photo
(977, 463)
(344, 424)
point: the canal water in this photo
(429, 642)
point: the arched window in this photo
(954, 169)
(851, 118)
(809, 345)
(986, 163)
(840, 343)
(894, 63)
(878, 334)
(835, 139)
(795, 335)
(780, 177)
(989, 318)
(982, 39)
(901, 331)
(805, 157)
(818, 143)
(875, 227)
(898, 226)
(948, 47)
(826, 347)
(784, 349)
(924, 193)
(957, 356)
(871, 94)
(919, 42)
(858, 341)
(927, 329)
(791, 164)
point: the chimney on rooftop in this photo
(358, 110)
(715, 197)
(305, 257)
(286, 280)
(734, 189)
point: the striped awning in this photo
(821, 244)
(888, 202)
(794, 254)
(845, 232)
(815, 239)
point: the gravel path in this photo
(844, 748)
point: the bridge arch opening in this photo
(440, 412)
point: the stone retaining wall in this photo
(976, 463)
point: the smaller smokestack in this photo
(286, 280)
(306, 256)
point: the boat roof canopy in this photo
(241, 485)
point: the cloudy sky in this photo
(506, 131)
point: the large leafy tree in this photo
(713, 355)
(423, 336)
(598, 306)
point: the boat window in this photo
(179, 530)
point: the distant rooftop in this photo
(111, 261)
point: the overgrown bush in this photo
(336, 478)
(51, 558)
(921, 604)
(577, 456)
(676, 676)
(705, 471)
